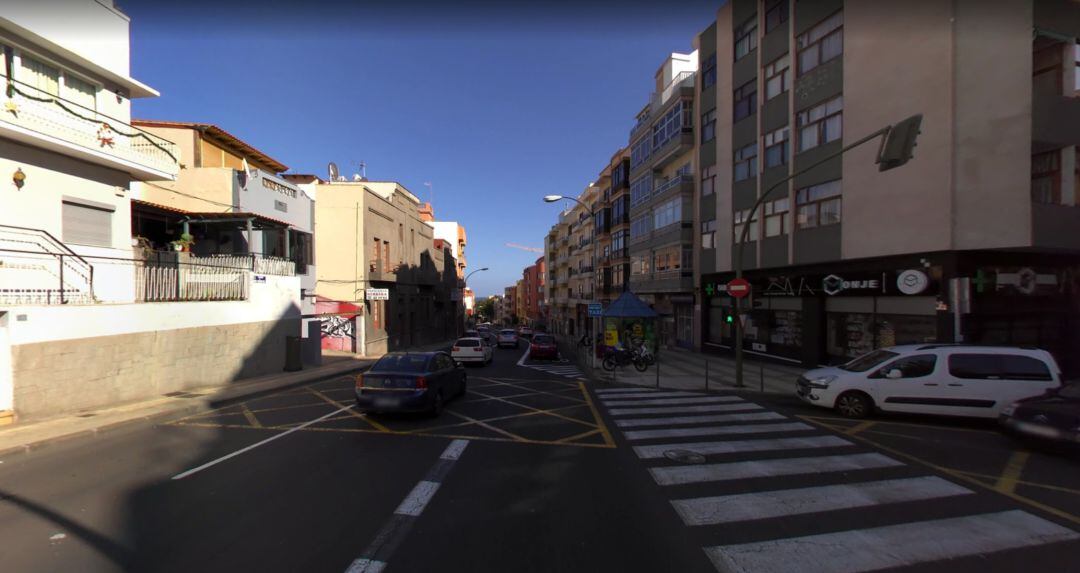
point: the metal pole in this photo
(63, 297)
(745, 234)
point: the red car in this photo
(543, 346)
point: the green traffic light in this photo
(729, 318)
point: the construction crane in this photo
(524, 248)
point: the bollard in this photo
(706, 375)
(761, 375)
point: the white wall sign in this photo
(377, 294)
(912, 281)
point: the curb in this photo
(178, 411)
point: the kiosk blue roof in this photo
(628, 305)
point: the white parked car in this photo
(472, 349)
(949, 379)
(525, 332)
(508, 337)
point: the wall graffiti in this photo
(338, 324)
(338, 327)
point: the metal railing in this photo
(189, 282)
(671, 183)
(658, 99)
(39, 252)
(50, 115)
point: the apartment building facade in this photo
(509, 304)
(844, 258)
(533, 278)
(82, 303)
(379, 256)
(661, 199)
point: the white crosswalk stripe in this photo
(564, 370)
(782, 503)
(892, 546)
(731, 447)
(745, 432)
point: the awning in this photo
(628, 305)
(258, 221)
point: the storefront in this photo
(827, 314)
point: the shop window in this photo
(904, 329)
(746, 162)
(785, 327)
(821, 43)
(849, 334)
(818, 205)
(1046, 177)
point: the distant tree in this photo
(486, 308)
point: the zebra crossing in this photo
(767, 494)
(561, 367)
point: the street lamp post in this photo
(895, 150)
(592, 215)
(465, 285)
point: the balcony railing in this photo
(672, 183)
(53, 117)
(658, 99)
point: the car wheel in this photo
(854, 405)
(437, 405)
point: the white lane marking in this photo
(673, 401)
(453, 451)
(183, 475)
(366, 566)
(633, 435)
(683, 409)
(781, 503)
(673, 475)
(689, 420)
(617, 390)
(892, 545)
(521, 361)
(418, 498)
(738, 446)
(653, 394)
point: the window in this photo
(40, 75)
(777, 217)
(668, 213)
(746, 99)
(376, 244)
(684, 170)
(916, 366)
(708, 72)
(687, 258)
(776, 13)
(819, 205)
(1016, 367)
(708, 234)
(708, 181)
(746, 162)
(746, 37)
(777, 77)
(639, 265)
(708, 126)
(820, 124)
(640, 151)
(87, 224)
(386, 256)
(640, 190)
(377, 314)
(618, 243)
(821, 43)
(1046, 177)
(672, 124)
(740, 219)
(80, 92)
(868, 361)
(639, 227)
(776, 147)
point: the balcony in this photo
(682, 82)
(684, 182)
(43, 120)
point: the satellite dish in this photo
(332, 171)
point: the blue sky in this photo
(495, 105)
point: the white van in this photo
(948, 379)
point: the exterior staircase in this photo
(37, 268)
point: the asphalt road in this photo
(533, 470)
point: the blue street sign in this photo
(595, 309)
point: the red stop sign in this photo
(738, 288)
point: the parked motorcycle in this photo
(621, 357)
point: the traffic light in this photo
(729, 317)
(899, 143)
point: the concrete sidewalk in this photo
(31, 435)
(686, 370)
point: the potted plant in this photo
(184, 243)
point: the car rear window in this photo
(507, 332)
(467, 343)
(998, 366)
(541, 339)
(402, 363)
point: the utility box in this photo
(293, 354)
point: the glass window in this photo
(670, 212)
(640, 151)
(708, 72)
(708, 234)
(820, 124)
(40, 75)
(777, 218)
(746, 162)
(777, 77)
(1016, 367)
(672, 124)
(746, 37)
(849, 334)
(1046, 177)
(868, 361)
(741, 218)
(640, 190)
(401, 363)
(708, 181)
(776, 147)
(821, 43)
(80, 92)
(639, 227)
(916, 366)
(776, 13)
(975, 366)
(745, 99)
(467, 343)
(708, 126)
(818, 205)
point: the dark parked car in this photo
(410, 382)
(543, 346)
(1053, 416)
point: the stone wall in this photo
(63, 376)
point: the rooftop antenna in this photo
(431, 193)
(332, 171)
(363, 169)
